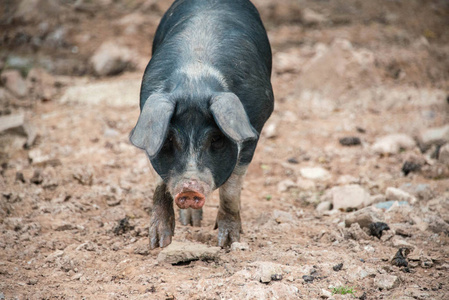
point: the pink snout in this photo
(191, 199)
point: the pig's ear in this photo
(152, 125)
(231, 117)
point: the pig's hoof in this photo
(161, 233)
(228, 232)
(191, 216)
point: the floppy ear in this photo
(231, 118)
(152, 125)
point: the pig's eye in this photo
(217, 142)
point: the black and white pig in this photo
(205, 96)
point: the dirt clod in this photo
(350, 141)
(123, 226)
(377, 228)
(338, 267)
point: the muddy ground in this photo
(75, 201)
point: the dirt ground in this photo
(75, 205)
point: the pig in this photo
(205, 97)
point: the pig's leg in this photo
(228, 218)
(162, 223)
(191, 216)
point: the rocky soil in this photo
(347, 196)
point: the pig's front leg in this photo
(228, 218)
(162, 222)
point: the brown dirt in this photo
(57, 232)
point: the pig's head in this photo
(194, 146)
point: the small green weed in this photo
(343, 290)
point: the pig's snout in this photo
(191, 195)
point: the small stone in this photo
(338, 267)
(325, 294)
(306, 184)
(267, 270)
(410, 167)
(350, 141)
(433, 136)
(270, 131)
(111, 58)
(377, 228)
(443, 155)
(324, 206)
(123, 226)
(285, 185)
(20, 177)
(308, 278)
(393, 143)
(178, 252)
(356, 233)
(348, 197)
(310, 17)
(236, 246)
(282, 217)
(37, 177)
(389, 204)
(385, 281)
(142, 249)
(17, 124)
(315, 173)
(14, 82)
(399, 195)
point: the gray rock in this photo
(348, 196)
(399, 195)
(111, 58)
(443, 156)
(363, 217)
(433, 136)
(178, 252)
(14, 82)
(386, 282)
(388, 204)
(315, 173)
(393, 143)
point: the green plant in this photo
(343, 290)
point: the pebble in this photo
(271, 131)
(306, 184)
(348, 197)
(314, 173)
(266, 271)
(385, 281)
(399, 195)
(285, 185)
(393, 143)
(388, 204)
(111, 58)
(17, 124)
(433, 136)
(443, 156)
(421, 191)
(324, 206)
(239, 246)
(364, 217)
(14, 82)
(178, 252)
(350, 141)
